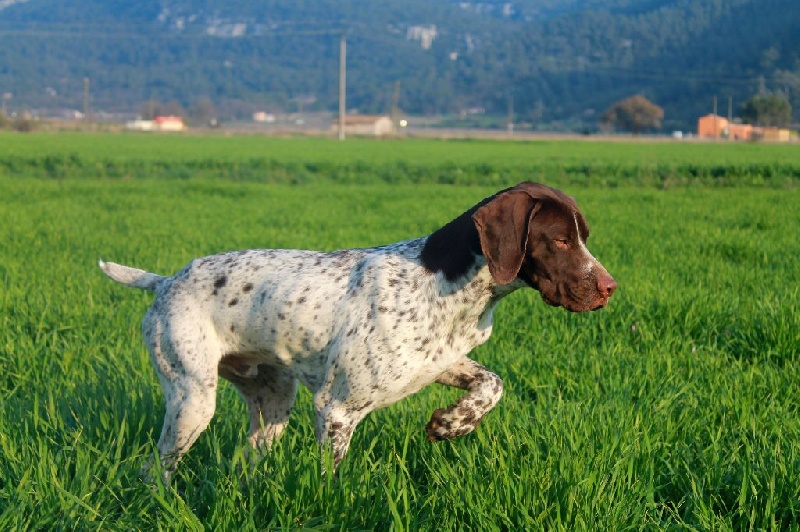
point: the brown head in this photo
(538, 234)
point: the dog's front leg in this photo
(338, 412)
(484, 391)
(335, 426)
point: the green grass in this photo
(678, 407)
(362, 161)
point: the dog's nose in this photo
(606, 285)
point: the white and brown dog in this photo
(361, 328)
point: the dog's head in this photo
(538, 234)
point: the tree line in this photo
(637, 114)
(566, 67)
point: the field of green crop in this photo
(677, 407)
(308, 160)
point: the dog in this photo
(361, 328)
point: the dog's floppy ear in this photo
(502, 225)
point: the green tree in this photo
(770, 109)
(153, 108)
(202, 113)
(789, 83)
(635, 114)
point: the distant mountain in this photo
(546, 61)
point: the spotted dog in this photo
(361, 328)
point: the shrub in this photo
(24, 125)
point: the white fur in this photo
(360, 328)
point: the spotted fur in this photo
(360, 328)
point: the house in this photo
(140, 125)
(159, 123)
(774, 134)
(740, 131)
(711, 126)
(717, 127)
(371, 125)
(263, 117)
(169, 123)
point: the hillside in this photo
(558, 61)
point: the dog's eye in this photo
(561, 243)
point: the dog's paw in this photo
(449, 423)
(437, 428)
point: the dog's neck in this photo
(453, 253)
(454, 249)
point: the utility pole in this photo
(85, 99)
(395, 108)
(342, 83)
(510, 115)
(6, 97)
(716, 130)
(730, 110)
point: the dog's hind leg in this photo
(183, 361)
(269, 394)
(190, 407)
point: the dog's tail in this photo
(132, 277)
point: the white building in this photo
(370, 125)
(159, 123)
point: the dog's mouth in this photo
(576, 305)
(580, 297)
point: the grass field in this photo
(307, 160)
(678, 407)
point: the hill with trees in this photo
(549, 62)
